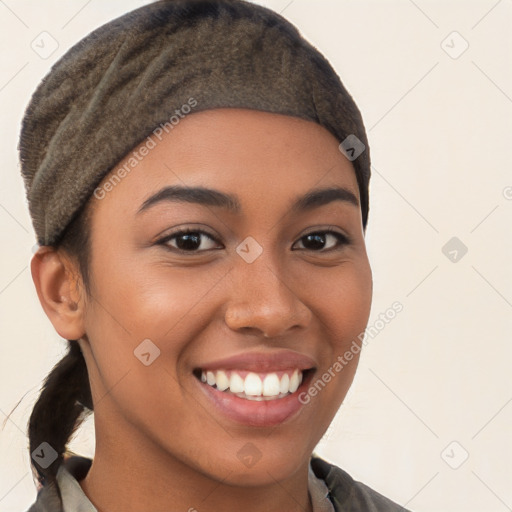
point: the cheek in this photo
(151, 300)
(342, 310)
(157, 312)
(341, 299)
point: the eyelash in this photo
(342, 239)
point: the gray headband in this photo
(127, 79)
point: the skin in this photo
(159, 441)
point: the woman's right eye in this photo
(189, 240)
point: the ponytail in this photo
(63, 404)
(65, 399)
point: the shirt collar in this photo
(75, 500)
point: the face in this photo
(232, 252)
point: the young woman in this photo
(197, 176)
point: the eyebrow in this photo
(211, 197)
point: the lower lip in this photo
(265, 413)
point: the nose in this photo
(264, 301)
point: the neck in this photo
(131, 473)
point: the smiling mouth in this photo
(256, 386)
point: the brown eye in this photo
(189, 241)
(323, 240)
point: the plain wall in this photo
(434, 384)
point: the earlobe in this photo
(55, 280)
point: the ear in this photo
(58, 287)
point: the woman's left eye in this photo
(190, 241)
(320, 241)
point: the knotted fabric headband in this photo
(135, 76)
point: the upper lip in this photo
(269, 361)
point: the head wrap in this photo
(138, 73)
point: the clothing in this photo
(331, 490)
(139, 75)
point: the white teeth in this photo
(222, 381)
(271, 385)
(284, 385)
(210, 378)
(236, 383)
(253, 387)
(295, 381)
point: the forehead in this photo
(251, 153)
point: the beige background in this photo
(440, 135)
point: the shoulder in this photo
(50, 497)
(349, 495)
